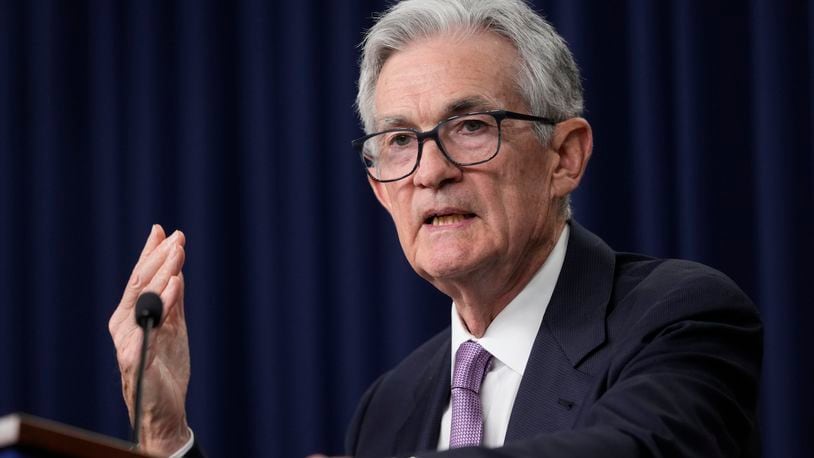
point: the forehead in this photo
(436, 77)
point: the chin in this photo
(441, 268)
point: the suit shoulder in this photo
(685, 287)
(651, 293)
(635, 272)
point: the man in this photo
(558, 346)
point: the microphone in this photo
(149, 309)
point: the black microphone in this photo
(149, 309)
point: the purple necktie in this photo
(471, 361)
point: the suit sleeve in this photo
(683, 381)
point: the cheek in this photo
(526, 195)
(533, 177)
(400, 211)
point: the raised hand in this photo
(166, 374)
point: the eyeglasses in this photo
(468, 139)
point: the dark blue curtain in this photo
(232, 121)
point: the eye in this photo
(472, 125)
(400, 140)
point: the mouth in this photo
(447, 218)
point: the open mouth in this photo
(448, 219)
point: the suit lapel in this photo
(573, 326)
(420, 429)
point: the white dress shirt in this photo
(509, 339)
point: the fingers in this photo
(156, 236)
(173, 262)
(173, 299)
(147, 267)
(136, 281)
(156, 261)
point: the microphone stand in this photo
(140, 379)
(149, 309)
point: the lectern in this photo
(23, 436)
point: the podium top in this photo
(39, 435)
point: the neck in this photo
(479, 299)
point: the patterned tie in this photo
(471, 361)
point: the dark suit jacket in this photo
(635, 357)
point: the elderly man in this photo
(558, 346)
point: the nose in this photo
(434, 169)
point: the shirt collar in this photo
(511, 334)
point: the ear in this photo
(381, 193)
(572, 141)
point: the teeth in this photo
(446, 219)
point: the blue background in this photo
(233, 121)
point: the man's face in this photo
(459, 225)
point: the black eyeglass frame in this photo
(499, 116)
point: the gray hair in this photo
(548, 79)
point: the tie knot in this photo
(471, 361)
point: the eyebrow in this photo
(392, 122)
(453, 108)
(468, 105)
